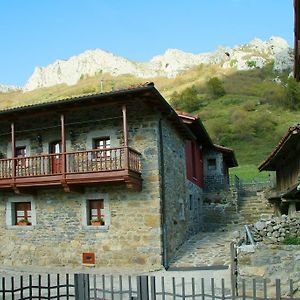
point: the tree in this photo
(216, 87)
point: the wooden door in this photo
(56, 161)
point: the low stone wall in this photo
(274, 230)
(271, 262)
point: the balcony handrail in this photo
(84, 161)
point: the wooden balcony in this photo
(72, 169)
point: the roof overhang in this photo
(289, 141)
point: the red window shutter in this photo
(201, 179)
(189, 159)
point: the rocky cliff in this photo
(8, 88)
(254, 54)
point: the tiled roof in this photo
(292, 130)
(79, 97)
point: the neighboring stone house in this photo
(215, 159)
(285, 161)
(112, 179)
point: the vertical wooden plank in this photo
(163, 288)
(153, 288)
(129, 287)
(58, 286)
(112, 287)
(121, 287)
(12, 288)
(183, 288)
(254, 289)
(174, 288)
(95, 286)
(21, 287)
(63, 145)
(3, 288)
(103, 286)
(49, 286)
(13, 150)
(67, 287)
(125, 134)
(212, 282)
(193, 288)
(265, 289)
(40, 286)
(244, 289)
(30, 286)
(223, 288)
(202, 289)
(278, 289)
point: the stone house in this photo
(285, 161)
(215, 159)
(112, 179)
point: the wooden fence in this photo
(102, 287)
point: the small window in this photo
(181, 211)
(96, 215)
(102, 143)
(191, 202)
(212, 164)
(20, 151)
(23, 215)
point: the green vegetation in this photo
(244, 110)
(291, 240)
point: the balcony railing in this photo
(71, 163)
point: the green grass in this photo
(248, 172)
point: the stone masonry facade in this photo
(132, 235)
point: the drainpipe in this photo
(162, 197)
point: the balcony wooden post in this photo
(63, 146)
(13, 150)
(125, 134)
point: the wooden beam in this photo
(63, 146)
(13, 150)
(125, 134)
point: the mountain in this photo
(257, 53)
(8, 88)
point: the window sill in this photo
(96, 228)
(18, 227)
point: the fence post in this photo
(82, 286)
(234, 271)
(142, 288)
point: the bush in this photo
(188, 100)
(291, 240)
(216, 87)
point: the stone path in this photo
(206, 249)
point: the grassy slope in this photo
(241, 119)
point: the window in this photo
(96, 215)
(20, 153)
(22, 214)
(181, 210)
(211, 164)
(191, 202)
(102, 143)
(194, 162)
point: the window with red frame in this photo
(102, 143)
(96, 211)
(194, 162)
(22, 213)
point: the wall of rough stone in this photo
(270, 262)
(184, 215)
(214, 180)
(59, 237)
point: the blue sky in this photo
(37, 32)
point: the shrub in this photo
(216, 87)
(291, 240)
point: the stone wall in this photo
(271, 262)
(183, 199)
(132, 236)
(214, 179)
